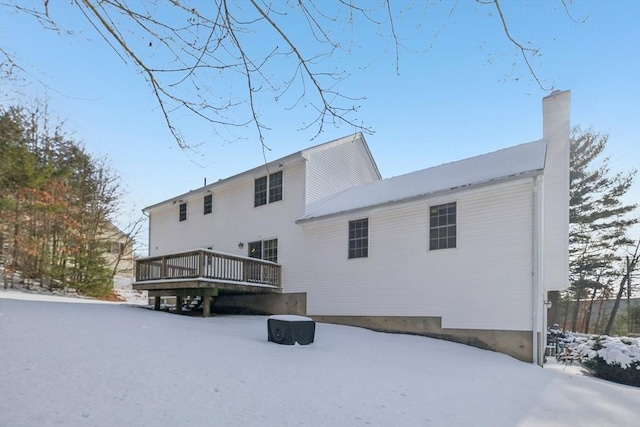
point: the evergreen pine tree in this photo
(599, 220)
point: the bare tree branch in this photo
(201, 58)
(524, 51)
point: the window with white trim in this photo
(268, 189)
(182, 215)
(442, 226)
(359, 238)
(208, 204)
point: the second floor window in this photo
(268, 189)
(275, 187)
(208, 204)
(260, 193)
(183, 211)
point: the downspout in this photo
(148, 232)
(538, 266)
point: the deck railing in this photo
(203, 263)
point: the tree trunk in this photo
(588, 316)
(614, 310)
(574, 321)
(566, 314)
(630, 266)
(603, 300)
(629, 309)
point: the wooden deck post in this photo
(201, 272)
(178, 304)
(206, 304)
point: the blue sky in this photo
(452, 101)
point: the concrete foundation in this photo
(292, 303)
(517, 344)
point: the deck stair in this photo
(192, 302)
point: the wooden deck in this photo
(204, 273)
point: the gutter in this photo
(145, 213)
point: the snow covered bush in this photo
(611, 358)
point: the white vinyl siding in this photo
(235, 220)
(484, 284)
(335, 169)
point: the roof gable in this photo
(345, 140)
(302, 154)
(508, 162)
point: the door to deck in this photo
(255, 250)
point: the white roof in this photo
(508, 162)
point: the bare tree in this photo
(225, 60)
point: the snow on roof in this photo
(513, 161)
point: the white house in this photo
(465, 251)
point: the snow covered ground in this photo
(123, 287)
(63, 363)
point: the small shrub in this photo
(613, 359)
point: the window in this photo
(442, 226)
(270, 250)
(275, 187)
(359, 238)
(264, 249)
(117, 248)
(208, 204)
(268, 188)
(183, 211)
(260, 195)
